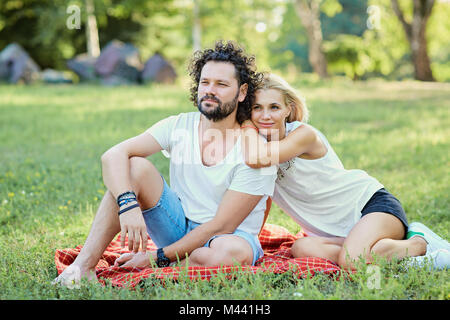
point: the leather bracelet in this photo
(128, 195)
(128, 208)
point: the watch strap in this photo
(162, 260)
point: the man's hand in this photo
(136, 260)
(132, 222)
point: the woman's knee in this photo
(349, 256)
(382, 247)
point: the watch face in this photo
(164, 262)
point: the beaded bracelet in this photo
(126, 197)
(126, 201)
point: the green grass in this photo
(52, 137)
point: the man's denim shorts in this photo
(167, 223)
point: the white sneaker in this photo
(439, 260)
(434, 242)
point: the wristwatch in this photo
(162, 261)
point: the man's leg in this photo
(106, 225)
(223, 250)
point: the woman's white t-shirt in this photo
(201, 188)
(321, 195)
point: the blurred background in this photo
(136, 41)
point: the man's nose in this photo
(210, 89)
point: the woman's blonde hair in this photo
(292, 98)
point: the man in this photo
(215, 206)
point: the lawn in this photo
(52, 137)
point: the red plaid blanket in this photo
(275, 240)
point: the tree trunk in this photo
(309, 14)
(93, 46)
(197, 28)
(416, 35)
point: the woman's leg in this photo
(390, 248)
(322, 247)
(378, 233)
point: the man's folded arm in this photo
(233, 209)
(115, 161)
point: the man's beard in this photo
(221, 111)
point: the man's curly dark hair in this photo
(245, 72)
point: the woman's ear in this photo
(242, 92)
(292, 116)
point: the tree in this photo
(93, 45)
(416, 35)
(196, 28)
(309, 14)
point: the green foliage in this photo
(40, 26)
(439, 37)
(347, 54)
(269, 29)
(330, 7)
(350, 19)
(288, 43)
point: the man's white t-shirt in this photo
(201, 188)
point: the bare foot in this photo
(72, 275)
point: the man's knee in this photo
(139, 169)
(200, 257)
(305, 247)
(146, 181)
(231, 249)
(224, 250)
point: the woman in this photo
(345, 213)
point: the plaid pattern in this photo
(276, 242)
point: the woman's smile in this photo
(265, 125)
(269, 113)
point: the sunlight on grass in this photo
(52, 138)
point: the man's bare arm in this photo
(116, 176)
(233, 209)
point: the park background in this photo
(374, 73)
(393, 40)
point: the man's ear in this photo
(242, 92)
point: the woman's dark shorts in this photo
(383, 201)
